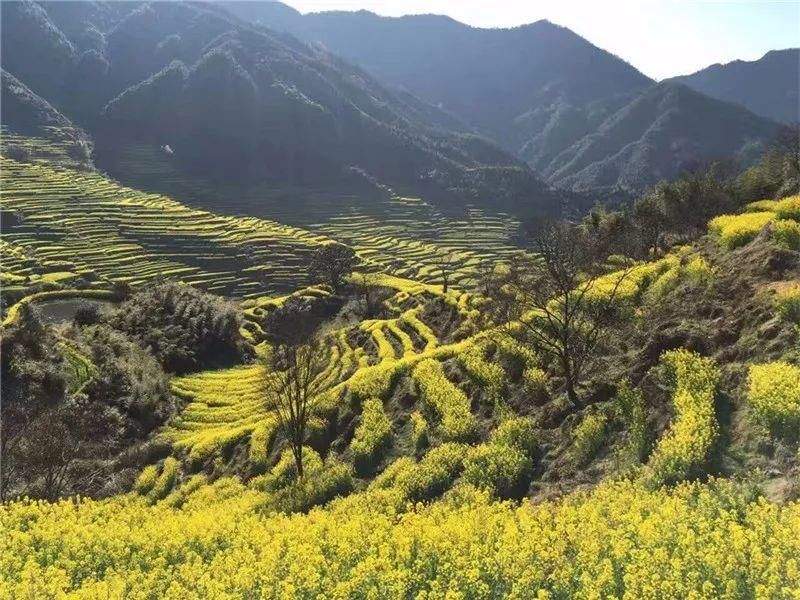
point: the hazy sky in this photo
(661, 38)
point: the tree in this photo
(788, 144)
(332, 262)
(445, 263)
(291, 383)
(651, 221)
(365, 284)
(554, 300)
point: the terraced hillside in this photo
(61, 224)
(87, 224)
(393, 230)
(227, 406)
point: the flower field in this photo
(421, 493)
(693, 541)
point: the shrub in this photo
(761, 206)
(449, 403)
(146, 480)
(630, 408)
(515, 352)
(17, 152)
(787, 233)
(328, 481)
(260, 441)
(390, 474)
(665, 283)
(163, 485)
(787, 302)
(699, 271)
(488, 375)
(519, 432)
(534, 380)
(432, 475)
(419, 431)
(588, 437)
(738, 230)
(372, 435)
(179, 495)
(788, 208)
(284, 472)
(774, 396)
(184, 328)
(684, 448)
(502, 469)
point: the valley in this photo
(283, 319)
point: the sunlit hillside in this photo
(485, 314)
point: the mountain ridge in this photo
(768, 86)
(539, 90)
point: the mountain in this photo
(769, 86)
(235, 102)
(665, 130)
(578, 115)
(487, 77)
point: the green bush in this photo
(502, 469)
(146, 480)
(773, 392)
(449, 403)
(419, 431)
(489, 375)
(788, 208)
(588, 437)
(520, 433)
(432, 475)
(535, 381)
(787, 233)
(787, 302)
(332, 479)
(284, 472)
(373, 434)
(179, 495)
(699, 271)
(630, 408)
(166, 480)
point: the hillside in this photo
(539, 90)
(767, 86)
(288, 115)
(660, 133)
(273, 327)
(428, 418)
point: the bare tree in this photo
(365, 283)
(555, 300)
(291, 384)
(787, 143)
(332, 263)
(445, 262)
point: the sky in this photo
(661, 38)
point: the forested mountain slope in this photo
(539, 90)
(769, 86)
(224, 100)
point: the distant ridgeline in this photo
(224, 103)
(581, 117)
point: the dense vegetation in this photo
(287, 115)
(395, 400)
(769, 86)
(581, 117)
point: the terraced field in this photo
(401, 234)
(61, 220)
(225, 407)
